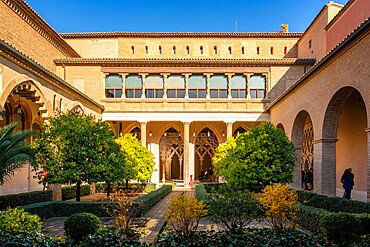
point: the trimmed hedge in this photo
(69, 192)
(133, 187)
(333, 204)
(151, 199)
(309, 217)
(201, 193)
(22, 199)
(51, 209)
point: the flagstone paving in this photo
(154, 220)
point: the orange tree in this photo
(76, 148)
(256, 158)
(139, 161)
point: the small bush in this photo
(78, 226)
(281, 206)
(201, 194)
(184, 214)
(15, 221)
(233, 209)
(123, 211)
(22, 199)
(341, 228)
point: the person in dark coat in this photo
(348, 181)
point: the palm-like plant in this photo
(14, 151)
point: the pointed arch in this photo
(24, 82)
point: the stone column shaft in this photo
(229, 129)
(143, 133)
(186, 154)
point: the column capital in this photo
(208, 75)
(123, 74)
(229, 122)
(367, 129)
(188, 122)
(143, 122)
(186, 74)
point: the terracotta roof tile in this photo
(180, 35)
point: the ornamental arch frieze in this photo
(26, 89)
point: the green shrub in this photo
(309, 217)
(341, 228)
(211, 187)
(107, 237)
(333, 204)
(24, 240)
(252, 237)
(51, 209)
(16, 200)
(48, 210)
(69, 192)
(78, 226)
(150, 200)
(15, 221)
(233, 209)
(364, 222)
(201, 193)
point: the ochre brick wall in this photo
(121, 47)
(18, 33)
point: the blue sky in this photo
(177, 15)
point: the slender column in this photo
(180, 161)
(229, 76)
(229, 129)
(104, 78)
(248, 85)
(123, 75)
(165, 76)
(186, 86)
(186, 155)
(154, 148)
(208, 83)
(163, 170)
(268, 85)
(143, 133)
(143, 78)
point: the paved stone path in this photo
(156, 220)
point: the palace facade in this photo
(183, 94)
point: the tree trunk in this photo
(78, 191)
(108, 189)
(126, 183)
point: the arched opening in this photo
(205, 146)
(345, 143)
(171, 149)
(302, 138)
(239, 131)
(280, 126)
(136, 132)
